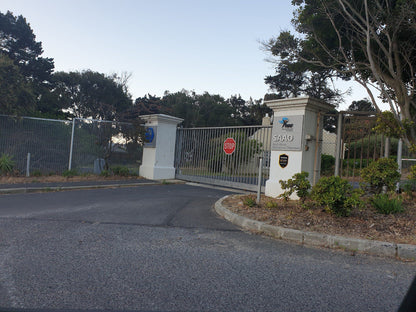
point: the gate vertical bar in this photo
(399, 160)
(259, 180)
(338, 145)
(317, 138)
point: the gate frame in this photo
(231, 180)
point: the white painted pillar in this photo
(159, 148)
(294, 142)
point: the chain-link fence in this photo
(57, 145)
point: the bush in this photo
(336, 195)
(385, 204)
(327, 164)
(412, 175)
(69, 173)
(6, 164)
(383, 172)
(121, 171)
(249, 201)
(105, 173)
(299, 184)
(271, 204)
(37, 173)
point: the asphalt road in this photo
(162, 248)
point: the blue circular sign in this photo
(149, 135)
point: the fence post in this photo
(338, 148)
(259, 181)
(72, 144)
(28, 165)
(387, 148)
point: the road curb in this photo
(313, 239)
(21, 190)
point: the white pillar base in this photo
(157, 173)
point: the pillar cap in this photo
(157, 118)
(300, 103)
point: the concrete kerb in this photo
(29, 189)
(313, 239)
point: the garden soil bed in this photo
(363, 223)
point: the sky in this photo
(166, 45)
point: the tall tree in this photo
(18, 42)
(149, 104)
(294, 77)
(369, 41)
(16, 93)
(91, 94)
(362, 106)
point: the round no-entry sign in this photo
(229, 146)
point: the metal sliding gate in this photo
(227, 156)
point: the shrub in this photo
(37, 173)
(385, 204)
(69, 173)
(105, 173)
(271, 204)
(412, 175)
(327, 164)
(121, 171)
(249, 201)
(299, 184)
(6, 164)
(336, 195)
(383, 172)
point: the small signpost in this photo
(229, 146)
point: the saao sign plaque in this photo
(287, 133)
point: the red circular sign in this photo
(229, 146)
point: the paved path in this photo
(162, 248)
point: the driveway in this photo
(162, 248)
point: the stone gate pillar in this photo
(296, 140)
(159, 147)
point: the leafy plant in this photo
(37, 173)
(105, 173)
(69, 173)
(412, 175)
(386, 204)
(383, 172)
(249, 201)
(327, 164)
(336, 195)
(121, 171)
(271, 204)
(299, 184)
(6, 164)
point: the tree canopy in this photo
(18, 42)
(89, 94)
(371, 42)
(16, 94)
(203, 110)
